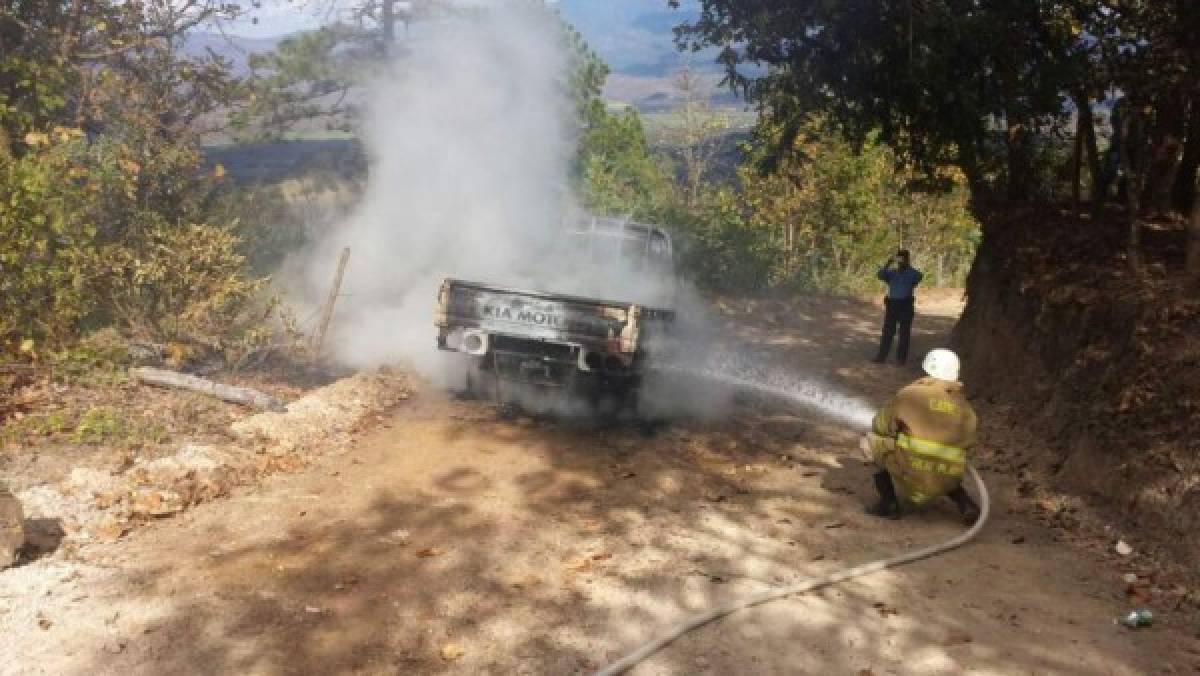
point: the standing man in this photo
(919, 441)
(899, 306)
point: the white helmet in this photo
(942, 364)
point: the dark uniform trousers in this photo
(897, 313)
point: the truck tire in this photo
(479, 384)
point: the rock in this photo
(452, 651)
(86, 482)
(956, 637)
(1123, 548)
(399, 536)
(12, 528)
(1130, 578)
(115, 646)
(108, 529)
(150, 502)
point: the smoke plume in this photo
(469, 137)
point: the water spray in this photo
(808, 393)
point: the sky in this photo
(281, 17)
(631, 35)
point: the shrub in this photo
(118, 233)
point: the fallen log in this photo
(244, 396)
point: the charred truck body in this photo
(556, 351)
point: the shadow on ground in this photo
(457, 543)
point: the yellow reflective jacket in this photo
(921, 437)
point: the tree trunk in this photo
(1015, 140)
(790, 235)
(968, 161)
(1185, 179)
(1087, 124)
(1130, 133)
(1166, 142)
(1193, 242)
(1077, 163)
(389, 25)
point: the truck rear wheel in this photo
(479, 382)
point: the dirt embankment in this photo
(90, 461)
(1100, 360)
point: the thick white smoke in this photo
(469, 137)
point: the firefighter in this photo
(920, 440)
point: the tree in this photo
(110, 217)
(695, 132)
(102, 64)
(311, 76)
(937, 81)
(825, 215)
(307, 77)
(1193, 247)
(969, 82)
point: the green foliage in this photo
(826, 217)
(105, 424)
(96, 425)
(107, 66)
(614, 171)
(617, 173)
(824, 214)
(99, 424)
(308, 76)
(721, 250)
(44, 425)
(114, 233)
(35, 93)
(108, 217)
(181, 280)
(979, 85)
(44, 248)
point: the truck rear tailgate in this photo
(594, 324)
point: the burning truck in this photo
(553, 351)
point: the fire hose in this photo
(649, 648)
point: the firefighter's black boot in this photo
(966, 506)
(888, 506)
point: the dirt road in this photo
(448, 541)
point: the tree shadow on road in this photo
(457, 543)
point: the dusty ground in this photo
(448, 541)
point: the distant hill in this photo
(236, 49)
(635, 38)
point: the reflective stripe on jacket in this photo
(921, 437)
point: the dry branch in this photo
(244, 396)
